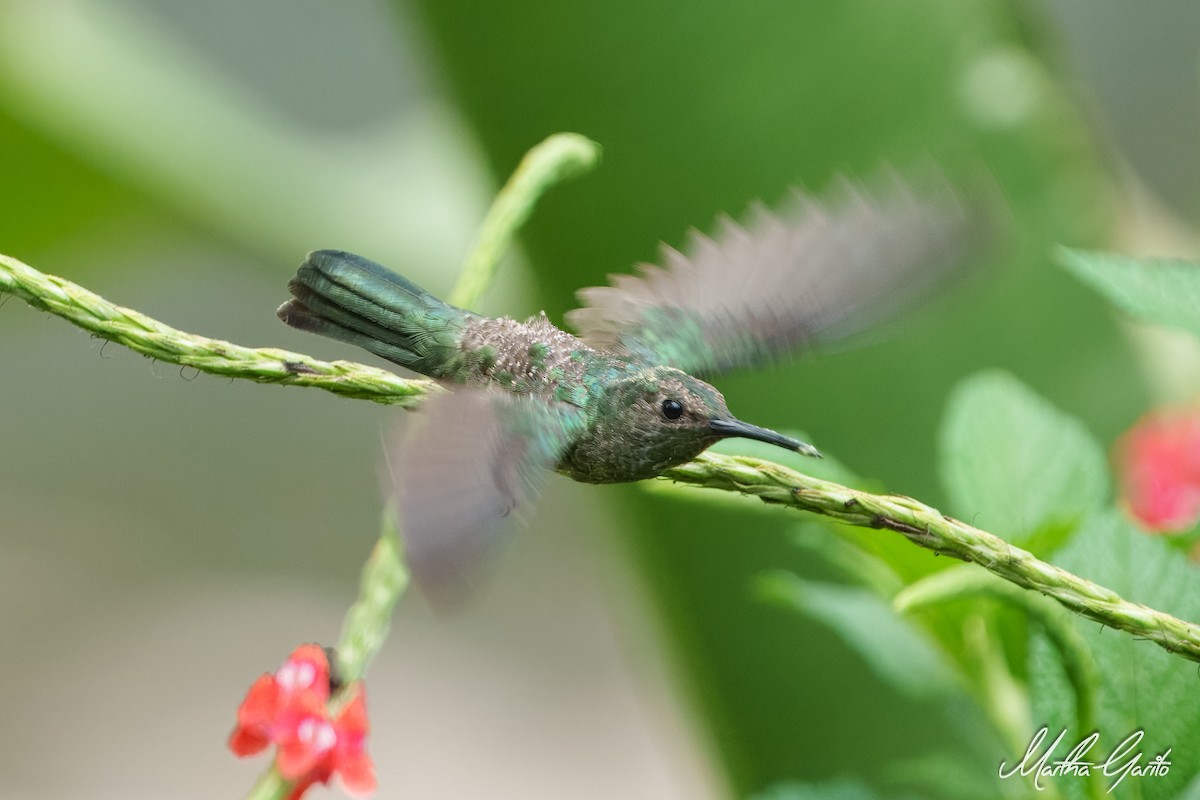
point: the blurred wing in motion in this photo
(475, 457)
(811, 274)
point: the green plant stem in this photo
(1002, 698)
(270, 786)
(558, 157)
(384, 576)
(929, 528)
(384, 580)
(152, 338)
(772, 483)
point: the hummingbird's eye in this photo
(672, 409)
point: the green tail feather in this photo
(350, 298)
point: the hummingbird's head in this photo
(658, 418)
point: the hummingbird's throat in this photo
(735, 428)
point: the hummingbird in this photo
(624, 398)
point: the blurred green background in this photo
(165, 537)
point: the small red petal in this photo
(306, 745)
(357, 773)
(299, 708)
(352, 719)
(306, 670)
(296, 760)
(244, 742)
(352, 763)
(261, 703)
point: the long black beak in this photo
(744, 430)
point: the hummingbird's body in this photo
(614, 403)
(618, 402)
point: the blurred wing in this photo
(477, 456)
(813, 273)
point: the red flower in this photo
(288, 708)
(303, 678)
(313, 747)
(1158, 462)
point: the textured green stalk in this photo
(154, 339)
(561, 156)
(384, 579)
(770, 482)
(929, 528)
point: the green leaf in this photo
(889, 644)
(1141, 686)
(1166, 291)
(1015, 465)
